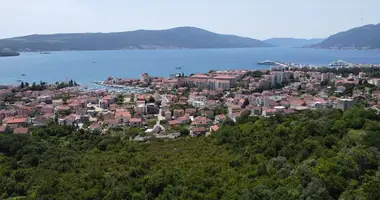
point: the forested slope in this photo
(311, 155)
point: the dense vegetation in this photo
(367, 36)
(311, 155)
(181, 37)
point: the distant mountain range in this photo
(181, 37)
(292, 42)
(365, 37)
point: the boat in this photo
(267, 62)
(23, 75)
(44, 52)
(178, 68)
(93, 61)
(19, 80)
(339, 63)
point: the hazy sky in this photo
(259, 19)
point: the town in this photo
(198, 104)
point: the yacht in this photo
(267, 62)
(339, 63)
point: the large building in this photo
(327, 77)
(205, 81)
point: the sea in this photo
(87, 66)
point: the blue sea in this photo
(87, 66)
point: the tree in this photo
(151, 99)
(245, 103)
(120, 100)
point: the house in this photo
(109, 99)
(94, 127)
(123, 116)
(214, 128)
(197, 131)
(69, 120)
(112, 123)
(220, 118)
(190, 111)
(255, 110)
(108, 115)
(20, 131)
(152, 108)
(63, 109)
(178, 113)
(135, 122)
(184, 119)
(140, 107)
(211, 104)
(168, 115)
(16, 122)
(183, 100)
(47, 109)
(173, 123)
(208, 113)
(268, 112)
(201, 121)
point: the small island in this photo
(8, 54)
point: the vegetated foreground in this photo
(311, 155)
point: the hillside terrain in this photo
(326, 154)
(182, 37)
(365, 37)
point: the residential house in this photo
(214, 128)
(211, 104)
(123, 116)
(184, 119)
(190, 111)
(183, 100)
(94, 127)
(220, 118)
(208, 113)
(47, 109)
(267, 112)
(108, 115)
(178, 113)
(151, 108)
(197, 131)
(16, 122)
(69, 120)
(112, 123)
(135, 122)
(173, 122)
(201, 121)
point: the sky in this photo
(259, 19)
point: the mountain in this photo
(292, 42)
(181, 37)
(364, 37)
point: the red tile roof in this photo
(16, 121)
(215, 128)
